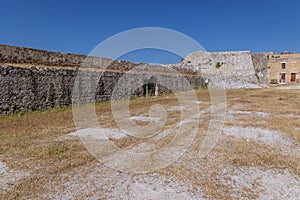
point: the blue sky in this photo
(218, 25)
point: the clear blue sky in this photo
(218, 25)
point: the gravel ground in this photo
(274, 138)
(189, 177)
(9, 176)
(102, 182)
(267, 184)
(100, 133)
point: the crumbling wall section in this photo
(260, 64)
(227, 69)
(32, 79)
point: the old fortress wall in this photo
(33, 79)
(240, 69)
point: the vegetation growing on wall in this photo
(218, 65)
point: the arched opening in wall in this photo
(150, 87)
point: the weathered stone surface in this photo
(29, 89)
(230, 69)
(260, 63)
(33, 79)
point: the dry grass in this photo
(38, 143)
(283, 105)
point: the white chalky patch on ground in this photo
(103, 183)
(3, 167)
(267, 184)
(194, 119)
(197, 102)
(176, 108)
(297, 128)
(289, 87)
(240, 112)
(231, 113)
(143, 147)
(288, 115)
(236, 98)
(145, 118)
(164, 134)
(9, 176)
(100, 133)
(274, 138)
(161, 188)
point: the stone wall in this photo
(260, 63)
(28, 89)
(239, 69)
(33, 79)
(38, 80)
(20, 55)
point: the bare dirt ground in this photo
(256, 157)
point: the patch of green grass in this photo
(18, 135)
(58, 149)
(2, 150)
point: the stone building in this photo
(284, 68)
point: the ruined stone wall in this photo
(230, 69)
(20, 55)
(260, 63)
(30, 88)
(32, 79)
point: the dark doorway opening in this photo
(150, 87)
(283, 77)
(293, 77)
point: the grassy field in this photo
(260, 141)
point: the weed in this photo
(58, 149)
(218, 65)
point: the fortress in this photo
(32, 79)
